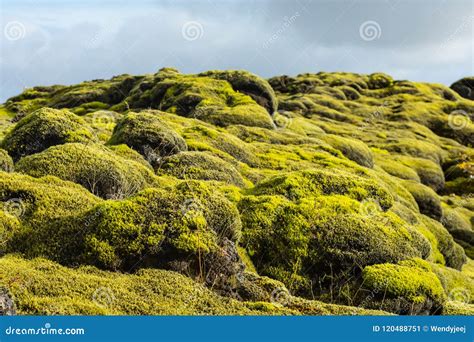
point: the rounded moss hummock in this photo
(147, 134)
(297, 243)
(353, 149)
(410, 287)
(249, 84)
(6, 162)
(44, 128)
(102, 172)
(199, 165)
(464, 87)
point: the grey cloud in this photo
(70, 42)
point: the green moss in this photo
(242, 81)
(47, 209)
(295, 243)
(6, 162)
(429, 172)
(42, 287)
(379, 80)
(427, 200)
(126, 152)
(9, 225)
(352, 149)
(297, 185)
(204, 98)
(199, 165)
(98, 169)
(148, 135)
(453, 253)
(458, 285)
(416, 148)
(44, 128)
(337, 173)
(409, 287)
(458, 309)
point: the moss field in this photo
(222, 193)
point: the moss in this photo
(6, 162)
(295, 243)
(126, 152)
(379, 80)
(429, 172)
(409, 287)
(204, 98)
(44, 128)
(148, 135)
(9, 225)
(199, 165)
(337, 173)
(41, 287)
(257, 88)
(352, 149)
(464, 87)
(458, 285)
(458, 309)
(98, 169)
(47, 209)
(308, 183)
(428, 201)
(453, 253)
(416, 148)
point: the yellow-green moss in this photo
(98, 169)
(410, 281)
(148, 135)
(199, 165)
(44, 128)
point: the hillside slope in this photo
(328, 193)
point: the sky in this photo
(45, 42)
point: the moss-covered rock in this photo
(249, 84)
(42, 287)
(308, 183)
(9, 223)
(96, 168)
(410, 287)
(6, 162)
(427, 200)
(352, 171)
(298, 243)
(464, 87)
(352, 149)
(204, 98)
(187, 229)
(44, 128)
(148, 135)
(46, 209)
(199, 165)
(379, 81)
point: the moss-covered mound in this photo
(297, 243)
(410, 287)
(324, 186)
(249, 84)
(148, 135)
(96, 168)
(45, 209)
(44, 128)
(464, 87)
(42, 287)
(205, 98)
(200, 165)
(6, 162)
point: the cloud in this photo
(69, 41)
